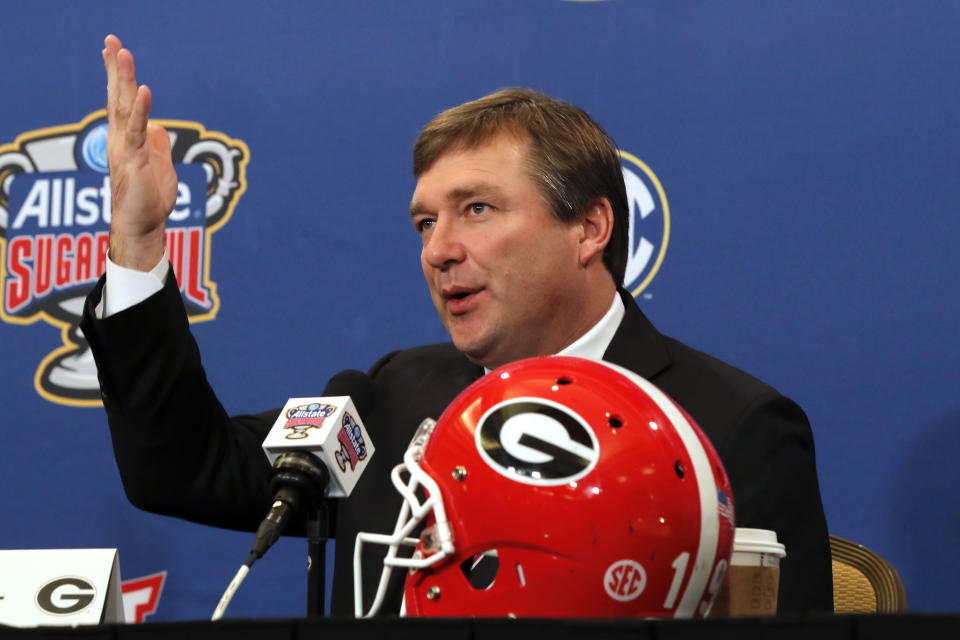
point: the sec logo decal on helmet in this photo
(558, 487)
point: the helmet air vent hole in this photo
(678, 467)
(481, 569)
(614, 420)
(564, 380)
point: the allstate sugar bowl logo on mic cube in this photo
(54, 232)
(649, 231)
(304, 417)
(328, 427)
(353, 446)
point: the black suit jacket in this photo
(157, 398)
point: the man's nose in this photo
(444, 246)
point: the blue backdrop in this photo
(794, 179)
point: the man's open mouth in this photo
(458, 293)
(459, 299)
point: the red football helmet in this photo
(560, 487)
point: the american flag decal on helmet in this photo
(725, 506)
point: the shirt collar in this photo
(593, 344)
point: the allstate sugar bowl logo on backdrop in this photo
(54, 230)
(649, 223)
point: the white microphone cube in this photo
(331, 429)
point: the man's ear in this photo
(596, 227)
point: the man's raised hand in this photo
(142, 178)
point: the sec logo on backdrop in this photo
(649, 231)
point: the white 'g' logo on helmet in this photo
(535, 441)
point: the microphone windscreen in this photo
(355, 384)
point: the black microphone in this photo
(319, 448)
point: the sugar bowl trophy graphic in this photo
(54, 232)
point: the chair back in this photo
(863, 582)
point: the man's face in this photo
(500, 267)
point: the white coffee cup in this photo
(753, 577)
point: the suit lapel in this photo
(637, 345)
(453, 380)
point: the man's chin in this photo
(473, 355)
(490, 359)
(476, 351)
(473, 341)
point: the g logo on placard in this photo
(54, 232)
(649, 231)
(66, 595)
(536, 441)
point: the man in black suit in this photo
(522, 211)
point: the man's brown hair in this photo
(572, 159)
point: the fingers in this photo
(123, 97)
(126, 84)
(111, 47)
(136, 129)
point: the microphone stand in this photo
(301, 479)
(317, 535)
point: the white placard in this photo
(63, 587)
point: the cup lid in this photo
(758, 541)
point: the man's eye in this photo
(425, 224)
(478, 207)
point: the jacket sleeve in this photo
(177, 450)
(770, 458)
